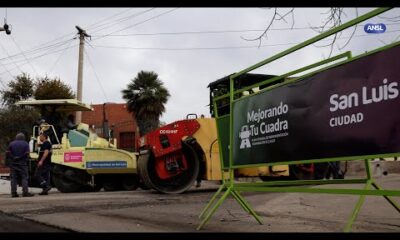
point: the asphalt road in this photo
(148, 211)
(19, 225)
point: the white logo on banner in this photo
(245, 136)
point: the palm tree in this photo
(146, 98)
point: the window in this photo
(127, 141)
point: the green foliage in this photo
(21, 88)
(146, 97)
(52, 89)
(16, 119)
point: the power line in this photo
(48, 52)
(5, 50)
(97, 78)
(186, 49)
(4, 86)
(213, 31)
(121, 20)
(57, 45)
(222, 48)
(1, 80)
(17, 66)
(44, 46)
(12, 38)
(59, 57)
(72, 33)
(36, 57)
(138, 23)
(166, 49)
(183, 33)
(54, 49)
(28, 52)
(7, 70)
(105, 19)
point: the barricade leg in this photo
(393, 203)
(356, 210)
(245, 205)
(240, 200)
(212, 211)
(207, 207)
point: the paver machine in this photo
(81, 161)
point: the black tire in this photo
(334, 170)
(142, 165)
(297, 173)
(97, 188)
(175, 185)
(143, 186)
(277, 178)
(62, 178)
(112, 183)
(320, 171)
(130, 182)
(98, 183)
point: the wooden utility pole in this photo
(82, 34)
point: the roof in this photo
(61, 104)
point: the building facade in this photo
(114, 117)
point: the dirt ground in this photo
(149, 211)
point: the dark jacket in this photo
(18, 152)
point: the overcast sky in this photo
(186, 63)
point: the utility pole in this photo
(82, 34)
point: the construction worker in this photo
(44, 163)
(69, 124)
(18, 153)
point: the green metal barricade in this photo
(297, 105)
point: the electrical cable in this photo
(97, 78)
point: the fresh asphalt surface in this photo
(149, 211)
(14, 224)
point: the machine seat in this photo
(77, 139)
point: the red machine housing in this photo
(165, 143)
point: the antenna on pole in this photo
(6, 27)
(81, 31)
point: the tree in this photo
(13, 118)
(47, 88)
(52, 89)
(334, 18)
(146, 98)
(16, 119)
(21, 88)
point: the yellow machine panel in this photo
(206, 136)
(274, 171)
(109, 161)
